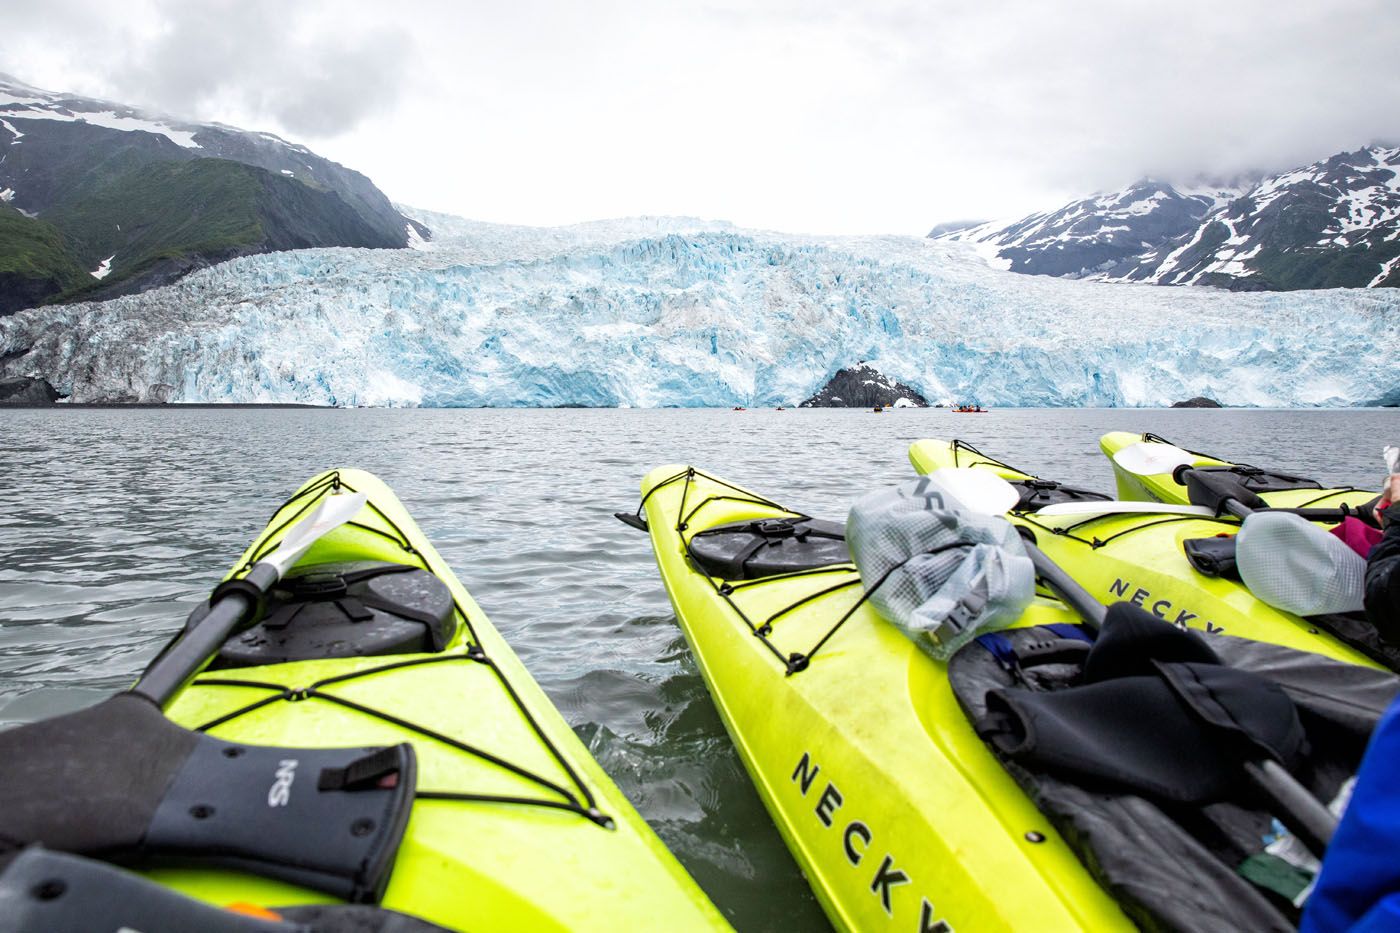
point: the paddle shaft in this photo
(1295, 805)
(173, 669)
(1241, 510)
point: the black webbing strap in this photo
(580, 800)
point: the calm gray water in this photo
(115, 521)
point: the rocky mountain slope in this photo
(1094, 234)
(657, 313)
(864, 386)
(1335, 223)
(138, 199)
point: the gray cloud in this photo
(799, 114)
(260, 60)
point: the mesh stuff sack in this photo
(941, 574)
(1293, 565)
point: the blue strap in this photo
(1000, 647)
(1067, 630)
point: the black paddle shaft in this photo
(173, 669)
(1225, 492)
(1294, 804)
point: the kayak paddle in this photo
(232, 603)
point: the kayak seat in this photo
(60, 893)
(342, 610)
(1036, 494)
(120, 782)
(753, 549)
(1169, 864)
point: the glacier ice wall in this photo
(666, 311)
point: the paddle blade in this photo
(974, 490)
(1293, 565)
(1116, 507)
(1152, 459)
(334, 511)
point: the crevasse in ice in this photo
(670, 311)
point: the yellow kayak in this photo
(1140, 557)
(1277, 489)
(895, 810)
(506, 821)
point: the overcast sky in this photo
(829, 116)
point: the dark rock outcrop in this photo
(863, 386)
(1199, 401)
(25, 390)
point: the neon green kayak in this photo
(1276, 488)
(1141, 557)
(897, 813)
(492, 814)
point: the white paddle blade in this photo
(1392, 459)
(334, 511)
(974, 490)
(1120, 507)
(1151, 459)
(1291, 564)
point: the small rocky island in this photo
(864, 386)
(26, 390)
(1199, 401)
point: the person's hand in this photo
(1386, 511)
(1390, 492)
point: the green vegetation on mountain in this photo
(159, 220)
(34, 263)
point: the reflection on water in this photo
(116, 521)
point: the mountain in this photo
(653, 313)
(1094, 234)
(137, 200)
(1332, 224)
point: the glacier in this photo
(650, 312)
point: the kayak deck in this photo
(1163, 487)
(1140, 558)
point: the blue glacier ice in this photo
(673, 311)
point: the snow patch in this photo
(104, 268)
(1386, 269)
(127, 122)
(7, 195)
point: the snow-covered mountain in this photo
(657, 312)
(1332, 223)
(1335, 223)
(1093, 234)
(98, 198)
